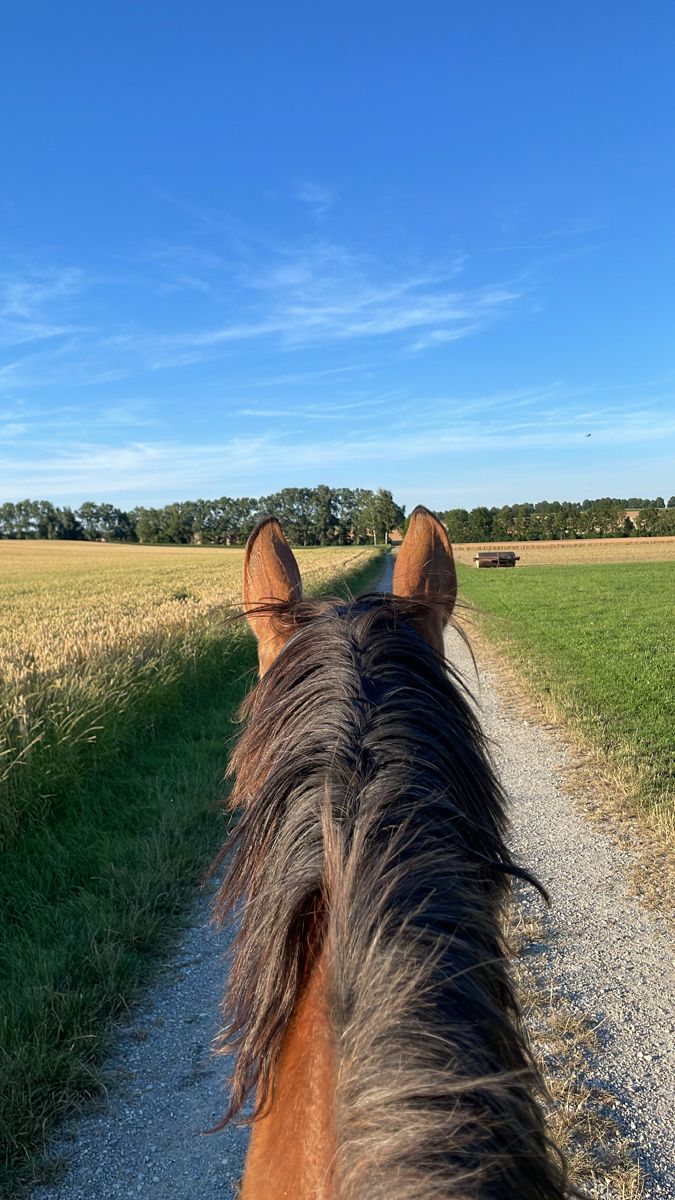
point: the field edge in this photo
(611, 796)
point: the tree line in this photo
(322, 516)
(558, 520)
(319, 516)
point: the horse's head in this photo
(369, 1000)
(424, 570)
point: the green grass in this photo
(90, 896)
(596, 641)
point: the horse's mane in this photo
(372, 831)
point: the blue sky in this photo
(422, 246)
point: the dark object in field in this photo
(369, 1001)
(496, 558)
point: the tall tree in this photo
(479, 526)
(66, 525)
(382, 514)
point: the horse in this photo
(378, 1038)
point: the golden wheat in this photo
(92, 636)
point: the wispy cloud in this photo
(437, 433)
(32, 301)
(324, 293)
(319, 198)
(72, 364)
(23, 293)
(474, 313)
(311, 378)
(183, 266)
(219, 299)
(10, 431)
(363, 409)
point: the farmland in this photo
(120, 676)
(94, 640)
(582, 550)
(596, 643)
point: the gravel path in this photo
(164, 1090)
(611, 957)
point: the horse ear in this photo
(425, 570)
(270, 574)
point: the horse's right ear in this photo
(425, 570)
(270, 574)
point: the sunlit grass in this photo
(597, 643)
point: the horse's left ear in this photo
(425, 570)
(270, 573)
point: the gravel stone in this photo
(164, 1089)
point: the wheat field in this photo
(95, 638)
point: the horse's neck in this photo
(293, 1146)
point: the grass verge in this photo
(594, 642)
(90, 895)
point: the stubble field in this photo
(585, 550)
